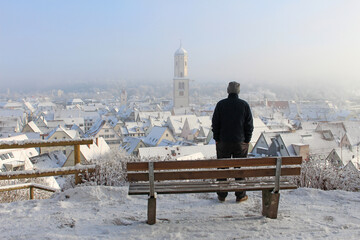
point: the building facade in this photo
(181, 80)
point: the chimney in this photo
(97, 141)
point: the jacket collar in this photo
(233, 95)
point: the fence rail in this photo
(53, 143)
(48, 172)
(30, 186)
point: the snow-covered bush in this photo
(322, 174)
(112, 169)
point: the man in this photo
(232, 126)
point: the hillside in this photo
(109, 213)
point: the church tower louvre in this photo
(181, 80)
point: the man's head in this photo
(233, 87)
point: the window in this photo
(106, 130)
(181, 93)
(181, 85)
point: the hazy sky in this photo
(63, 42)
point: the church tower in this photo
(181, 81)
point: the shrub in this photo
(322, 174)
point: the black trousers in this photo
(231, 150)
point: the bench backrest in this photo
(209, 169)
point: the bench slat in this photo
(207, 187)
(213, 163)
(196, 182)
(182, 185)
(214, 174)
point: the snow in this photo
(98, 212)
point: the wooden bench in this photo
(200, 176)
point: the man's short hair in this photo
(233, 87)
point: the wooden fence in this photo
(76, 170)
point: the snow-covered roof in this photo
(176, 123)
(152, 139)
(34, 127)
(208, 151)
(95, 128)
(317, 145)
(70, 133)
(99, 147)
(154, 115)
(134, 127)
(353, 132)
(130, 143)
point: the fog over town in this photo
(90, 89)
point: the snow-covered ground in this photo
(97, 212)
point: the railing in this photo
(31, 186)
(76, 170)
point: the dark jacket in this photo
(232, 120)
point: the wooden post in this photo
(152, 196)
(270, 202)
(151, 210)
(31, 192)
(77, 160)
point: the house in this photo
(339, 157)
(79, 131)
(41, 123)
(12, 120)
(10, 124)
(31, 127)
(16, 159)
(46, 106)
(156, 116)
(305, 144)
(192, 127)
(351, 138)
(50, 160)
(75, 101)
(103, 129)
(60, 133)
(88, 152)
(259, 128)
(21, 159)
(13, 105)
(131, 145)
(182, 111)
(176, 123)
(262, 144)
(179, 152)
(157, 135)
(133, 129)
(337, 129)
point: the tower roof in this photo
(181, 51)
